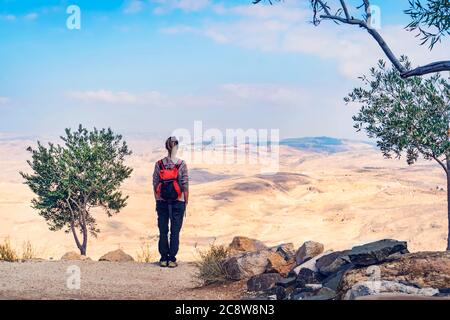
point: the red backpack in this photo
(168, 188)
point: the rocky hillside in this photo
(382, 268)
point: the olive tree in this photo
(70, 180)
(407, 116)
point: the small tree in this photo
(406, 116)
(72, 179)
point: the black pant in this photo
(173, 212)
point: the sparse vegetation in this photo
(7, 252)
(28, 251)
(145, 255)
(210, 265)
(11, 254)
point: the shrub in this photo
(28, 251)
(145, 254)
(7, 252)
(210, 265)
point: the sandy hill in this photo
(337, 192)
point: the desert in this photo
(341, 198)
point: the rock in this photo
(116, 256)
(308, 293)
(287, 248)
(369, 288)
(334, 281)
(246, 265)
(310, 264)
(301, 293)
(443, 292)
(280, 292)
(313, 286)
(287, 282)
(307, 251)
(322, 294)
(333, 262)
(307, 276)
(243, 244)
(72, 255)
(277, 263)
(263, 281)
(423, 269)
(286, 251)
(376, 252)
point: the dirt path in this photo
(107, 280)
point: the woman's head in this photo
(171, 145)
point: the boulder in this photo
(322, 294)
(280, 292)
(310, 264)
(307, 276)
(72, 255)
(334, 281)
(278, 264)
(308, 293)
(376, 252)
(246, 265)
(422, 269)
(286, 250)
(301, 293)
(307, 251)
(116, 256)
(243, 244)
(287, 282)
(333, 262)
(368, 288)
(262, 282)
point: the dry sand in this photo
(107, 280)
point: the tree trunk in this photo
(75, 236)
(448, 204)
(83, 248)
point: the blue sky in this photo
(153, 66)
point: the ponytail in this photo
(170, 143)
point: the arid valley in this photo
(341, 198)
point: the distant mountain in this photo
(319, 144)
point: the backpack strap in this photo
(178, 164)
(161, 164)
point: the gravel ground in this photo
(107, 280)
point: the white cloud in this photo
(133, 6)
(227, 95)
(152, 98)
(31, 16)
(4, 101)
(8, 17)
(269, 94)
(164, 6)
(285, 27)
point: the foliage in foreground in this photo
(210, 265)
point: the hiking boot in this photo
(163, 264)
(173, 264)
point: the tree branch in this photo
(441, 163)
(419, 71)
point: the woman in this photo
(171, 189)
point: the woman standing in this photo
(171, 189)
